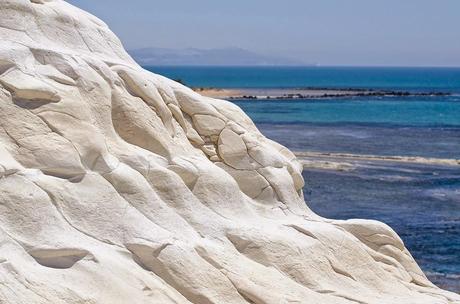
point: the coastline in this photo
(305, 93)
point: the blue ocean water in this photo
(414, 79)
(417, 111)
(420, 201)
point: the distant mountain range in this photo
(207, 57)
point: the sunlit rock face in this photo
(121, 186)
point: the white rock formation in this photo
(121, 186)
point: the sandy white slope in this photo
(121, 186)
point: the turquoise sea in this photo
(416, 79)
(420, 201)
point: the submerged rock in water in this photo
(121, 186)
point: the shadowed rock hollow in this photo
(121, 186)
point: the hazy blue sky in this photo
(329, 32)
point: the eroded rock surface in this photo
(121, 186)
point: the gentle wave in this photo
(364, 157)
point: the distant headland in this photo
(231, 56)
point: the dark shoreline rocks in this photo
(344, 95)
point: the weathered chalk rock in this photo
(121, 186)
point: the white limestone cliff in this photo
(121, 186)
